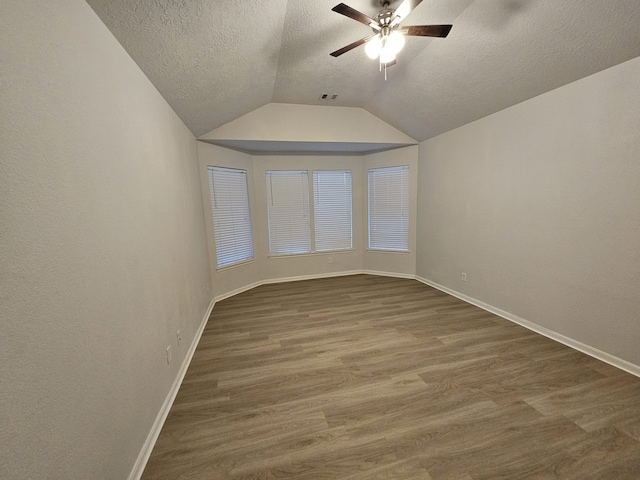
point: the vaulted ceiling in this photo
(216, 60)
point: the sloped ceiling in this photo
(216, 60)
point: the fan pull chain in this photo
(385, 69)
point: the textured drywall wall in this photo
(102, 246)
(540, 205)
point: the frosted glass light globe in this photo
(387, 54)
(373, 46)
(395, 41)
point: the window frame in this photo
(218, 223)
(311, 209)
(316, 202)
(275, 244)
(404, 204)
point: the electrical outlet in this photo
(179, 336)
(464, 277)
(169, 354)
(330, 259)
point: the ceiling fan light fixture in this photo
(387, 54)
(395, 41)
(385, 46)
(373, 47)
(388, 38)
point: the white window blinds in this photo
(231, 215)
(389, 208)
(332, 210)
(288, 209)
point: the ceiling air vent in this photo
(327, 97)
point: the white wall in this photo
(310, 123)
(267, 268)
(540, 205)
(102, 246)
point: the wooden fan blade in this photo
(427, 30)
(403, 10)
(347, 11)
(351, 46)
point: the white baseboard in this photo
(377, 273)
(312, 277)
(558, 337)
(306, 277)
(147, 448)
(237, 291)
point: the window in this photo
(288, 209)
(290, 224)
(389, 208)
(231, 215)
(332, 210)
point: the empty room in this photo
(318, 240)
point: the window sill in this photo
(382, 250)
(234, 265)
(310, 254)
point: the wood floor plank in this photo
(366, 377)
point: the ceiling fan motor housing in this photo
(384, 17)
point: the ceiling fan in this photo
(388, 37)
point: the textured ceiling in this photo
(215, 60)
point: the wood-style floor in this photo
(368, 377)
